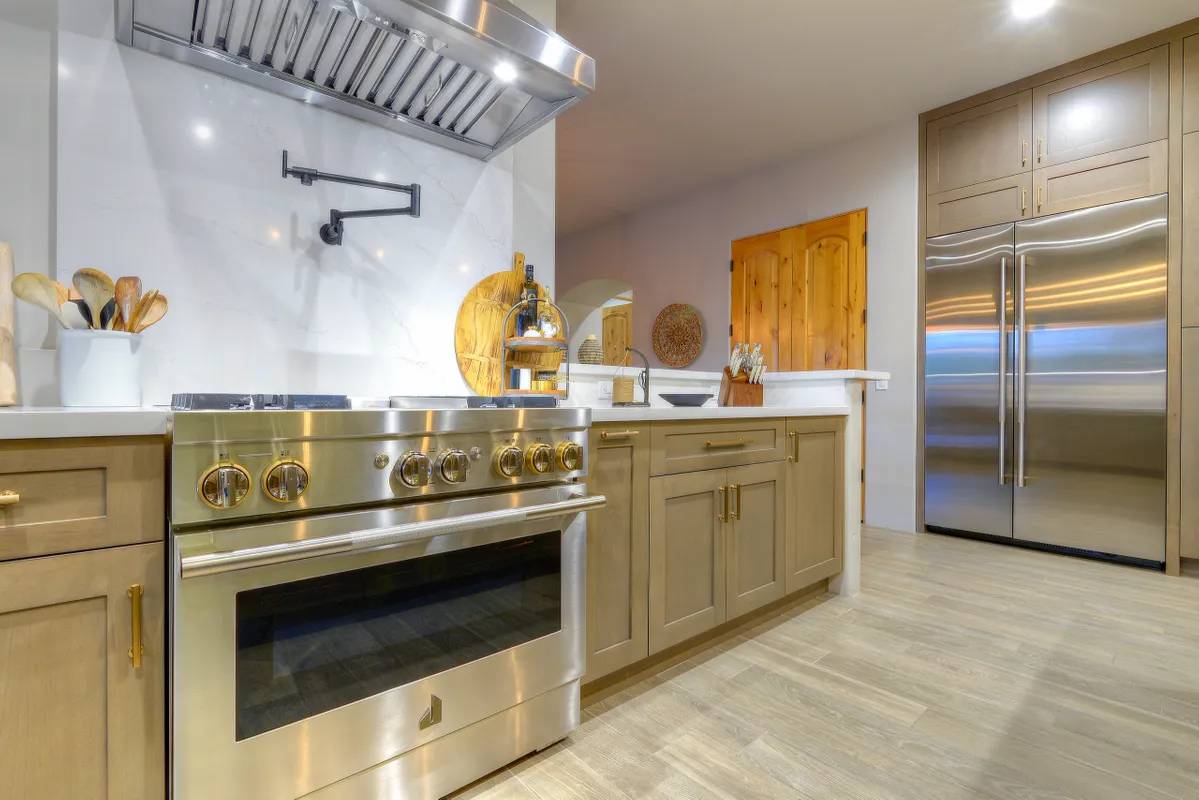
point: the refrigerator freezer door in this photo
(1094, 389)
(968, 388)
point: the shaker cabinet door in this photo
(816, 500)
(757, 572)
(981, 205)
(78, 719)
(980, 144)
(1126, 174)
(1111, 107)
(686, 556)
(1190, 84)
(618, 550)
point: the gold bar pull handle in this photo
(1040, 197)
(136, 645)
(1024, 152)
(607, 435)
(735, 492)
(717, 444)
(793, 437)
(722, 504)
(9, 498)
(1040, 149)
(1023, 201)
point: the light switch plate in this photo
(605, 390)
(880, 386)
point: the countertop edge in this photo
(23, 422)
(715, 413)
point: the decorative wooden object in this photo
(8, 364)
(738, 391)
(478, 344)
(678, 335)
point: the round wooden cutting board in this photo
(478, 343)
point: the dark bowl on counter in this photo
(686, 400)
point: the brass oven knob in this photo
(570, 456)
(509, 462)
(224, 486)
(540, 458)
(453, 466)
(414, 470)
(285, 481)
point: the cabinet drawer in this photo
(1109, 178)
(981, 205)
(689, 447)
(1190, 85)
(979, 144)
(80, 494)
(1111, 107)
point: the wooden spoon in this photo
(38, 289)
(140, 310)
(64, 294)
(156, 311)
(97, 289)
(128, 292)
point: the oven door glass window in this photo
(317, 644)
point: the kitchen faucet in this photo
(642, 379)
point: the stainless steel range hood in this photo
(471, 75)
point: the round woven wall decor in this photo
(678, 335)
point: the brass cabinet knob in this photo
(9, 498)
(509, 462)
(224, 486)
(285, 481)
(540, 458)
(570, 456)
(414, 470)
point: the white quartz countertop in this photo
(27, 422)
(716, 413)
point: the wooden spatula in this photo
(38, 289)
(140, 310)
(128, 292)
(156, 310)
(97, 289)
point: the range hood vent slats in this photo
(422, 67)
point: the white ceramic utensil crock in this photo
(99, 368)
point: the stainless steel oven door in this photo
(308, 650)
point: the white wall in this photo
(679, 252)
(172, 173)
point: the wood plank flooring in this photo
(962, 670)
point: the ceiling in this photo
(691, 91)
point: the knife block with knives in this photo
(741, 381)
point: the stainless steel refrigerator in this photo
(1045, 381)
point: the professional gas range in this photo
(371, 602)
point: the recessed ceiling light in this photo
(505, 71)
(1027, 9)
(202, 131)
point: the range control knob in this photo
(285, 481)
(570, 456)
(453, 466)
(540, 458)
(509, 462)
(413, 470)
(224, 486)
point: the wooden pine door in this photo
(617, 333)
(801, 293)
(760, 300)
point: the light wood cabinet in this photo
(1126, 174)
(618, 550)
(979, 145)
(978, 206)
(757, 526)
(1190, 229)
(687, 585)
(77, 718)
(815, 500)
(1190, 443)
(1111, 107)
(78, 494)
(1190, 85)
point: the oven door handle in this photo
(378, 538)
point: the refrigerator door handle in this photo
(1002, 370)
(1021, 370)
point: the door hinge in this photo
(732, 265)
(863, 476)
(863, 316)
(730, 331)
(864, 235)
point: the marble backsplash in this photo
(173, 173)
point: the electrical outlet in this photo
(880, 386)
(605, 390)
